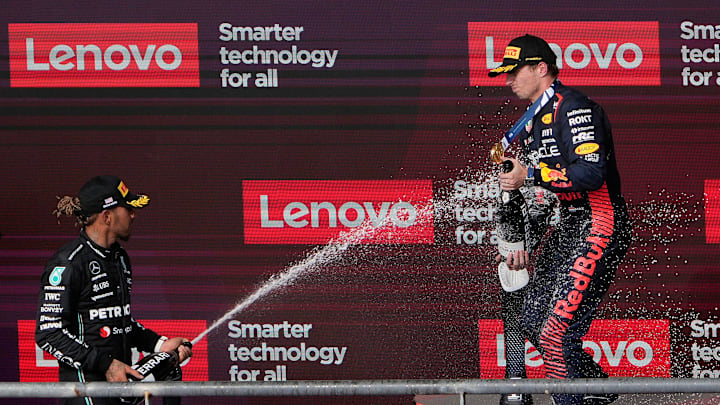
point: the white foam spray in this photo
(316, 259)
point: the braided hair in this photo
(70, 207)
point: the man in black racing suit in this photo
(84, 316)
(569, 147)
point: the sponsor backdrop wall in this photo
(338, 152)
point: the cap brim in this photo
(136, 201)
(502, 69)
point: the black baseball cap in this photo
(525, 50)
(103, 192)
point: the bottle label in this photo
(152, 362)
(505, 248)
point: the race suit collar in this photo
(99, 250)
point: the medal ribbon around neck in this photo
(498, 150)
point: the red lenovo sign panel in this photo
(354, 211)
(712, 211)
(104, 55)
(590, 53)
(36, 365)
(623, 347)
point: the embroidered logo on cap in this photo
(141, 201)
(109, 202)
(123, 189)
(512, 52)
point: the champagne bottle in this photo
(511, 219)
(511, 216)
(160, 366)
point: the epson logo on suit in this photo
(591, 53)
(103, 55)
(316, 211)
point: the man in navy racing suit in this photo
(569, 149)
(84, 316)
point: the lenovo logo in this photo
(317, 211)
(624, 348)
(594, 53)
(103, 55)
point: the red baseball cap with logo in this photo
(525, 50)
(103, 192)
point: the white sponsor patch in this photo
(583, 119)
(101, 296)
(109, 312)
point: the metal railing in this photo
(358, 387)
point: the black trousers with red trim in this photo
(572, 274)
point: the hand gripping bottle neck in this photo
(160, 366)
